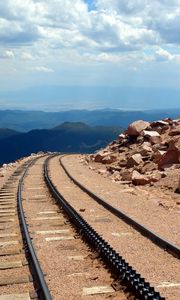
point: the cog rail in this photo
(156, 239)
(115, 262)
(38, 276)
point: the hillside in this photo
(5, 132)
(67, 137)
(146, 154)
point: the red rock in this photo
(149, 133)
(155, 140)
(157, 155)
(168, 120)
(136, 127)
(160, 123)
(178, 189)
(126, 175)
(134, 160)
(109, 159)
(149, 166)
(139, 179)
(172, 155)
(175, 131)
(154, 177)
(123, 163)
(100, 155)
(145, 148)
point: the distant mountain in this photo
(5, 132)
(28, 120)
(68, 137)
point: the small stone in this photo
(126, 175)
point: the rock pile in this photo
(142, 154)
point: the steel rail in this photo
(124, 272)
(156, 239)
(38, 276)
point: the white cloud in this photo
(163, 55)
(8, 54)
(49, 33)
(43, 69)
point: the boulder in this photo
(136, 127)
(149, 166)
(154, 140)
(157, 155)
(109, 159)
(168, 120)
(98, 157)
(152, 136)
(145, 148)
(134, 160)
(160, 123)
(175, 131)
(139, 179)
(160, 126)
(148, 133)
(172, 155)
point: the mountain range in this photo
(67, 137)
(27, 120)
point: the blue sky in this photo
(89, 54)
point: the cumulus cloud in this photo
(122, 6)
(112, 27)
(12, 32)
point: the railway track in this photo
(123, 271)
(70, 268)
(21, 276)
(159, 267)
(155, 238)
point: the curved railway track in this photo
(30, 187)
(124, 272)
(14, 285)
(38, 276)
(155, 238)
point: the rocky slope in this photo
(146, 154)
